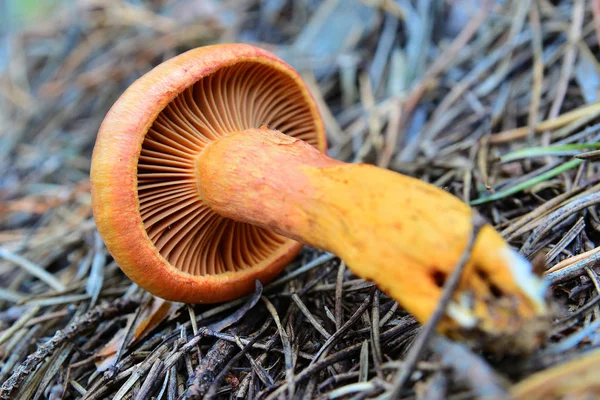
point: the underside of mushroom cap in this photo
(144, 192)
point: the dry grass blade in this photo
(550, 124)
(33, 269)
(287, 348)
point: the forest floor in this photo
(496, 102)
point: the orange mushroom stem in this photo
(400, 232)
(196, 198)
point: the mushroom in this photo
(210, 171)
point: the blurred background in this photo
(65, 62)
(390, 76)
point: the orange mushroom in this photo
(210, 171)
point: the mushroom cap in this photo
(144, 193)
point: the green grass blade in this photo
(557, 150)
(527, 184)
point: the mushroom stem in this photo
(262, 177)
(371, 217)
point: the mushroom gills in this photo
(187, 233)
